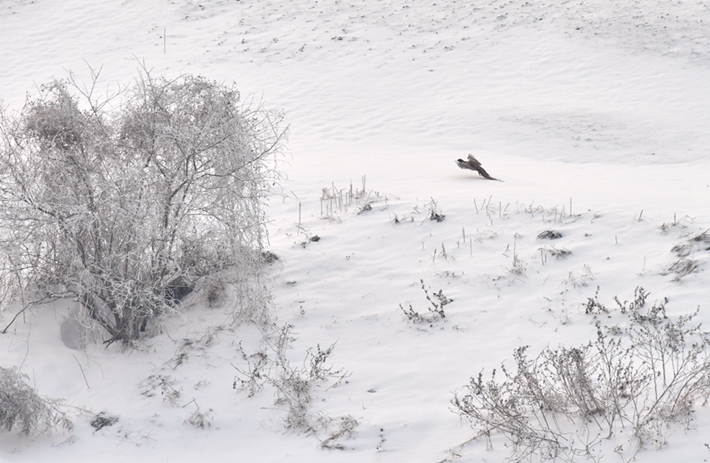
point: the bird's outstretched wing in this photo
(473, 164)
(473, 161)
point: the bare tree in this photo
(126, 209)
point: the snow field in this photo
(593, 106)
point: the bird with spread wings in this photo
(473, 164)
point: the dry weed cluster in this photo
(620, 392)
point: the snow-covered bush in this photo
(618, 393)
(126, 208)
(23, 410)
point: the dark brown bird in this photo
(472, 164)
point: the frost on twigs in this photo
(549, 235)
(25, 411)
(126, 202)
(688, 253)
(435, 307)
(295, 386)
(163, 385)
(434, 211)
(200, 419)
(335, 201)
(619, 393)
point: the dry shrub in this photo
(618, 393)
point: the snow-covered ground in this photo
(593, 113)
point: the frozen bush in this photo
(23, 410)
(126, 209)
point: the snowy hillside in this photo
(594, 115)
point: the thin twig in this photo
(82, 371)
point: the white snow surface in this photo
(595, 115)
